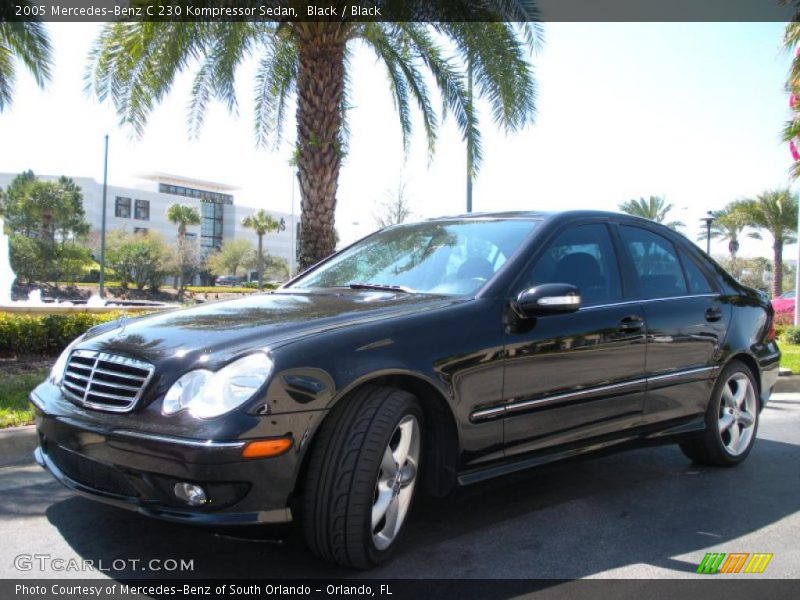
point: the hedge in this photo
(792, 334)
(45, 335)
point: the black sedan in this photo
(422, 357)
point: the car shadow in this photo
(647, 507)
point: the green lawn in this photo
(790, 356)
(14, 390)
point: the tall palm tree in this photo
(728, 225)
(29, 43)
(776, 212)
(654, 208)
(262, 224)
(135, 65)
(182, 215)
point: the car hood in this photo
(215, 333)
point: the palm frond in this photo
(406, 81)
(29, 43)
(275, 83)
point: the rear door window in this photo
(655, 259)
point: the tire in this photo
(353, 477)
(731, 420)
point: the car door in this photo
(686, 322)
(572, 376)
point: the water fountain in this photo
(7, 276)
(35, 304)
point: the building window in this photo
(211, 225)
(143, 210)
(142, 230)
(122, 208)
(203, 195)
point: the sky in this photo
(688, 111)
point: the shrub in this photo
(792, 335)
(140, 259)
(45, 335)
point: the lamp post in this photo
(470, 149)
(796, 276)
(103, 225)
(293, 232)
(708, 220)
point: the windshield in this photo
(436, 257)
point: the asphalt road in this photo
(646, 513)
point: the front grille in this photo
(105, 381)
(89, 472)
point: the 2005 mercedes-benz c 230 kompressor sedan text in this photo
(422, 357)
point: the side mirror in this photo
(548, 299)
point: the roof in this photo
(532, 214)
(210, 186)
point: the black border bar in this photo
(422, 11)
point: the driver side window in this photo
(582, 256)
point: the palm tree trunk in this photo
(260, 263)
(777, 267)
(320, 88)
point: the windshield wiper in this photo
(381, 286)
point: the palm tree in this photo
(262, 224)
(29, 43)
(182, 215)
(776, 212)
(654, 208)
(727, 226)
(134, 64)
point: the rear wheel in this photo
(731, 420)
(362, 476)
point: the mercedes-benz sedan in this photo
(423, 357)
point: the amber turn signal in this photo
(266, 448)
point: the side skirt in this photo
(606, 445)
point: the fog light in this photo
(191, 493)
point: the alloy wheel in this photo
(394, 487)
(737, 414)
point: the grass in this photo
(14, 389)
(790, 356)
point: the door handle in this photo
(713, 313)
(631, 324)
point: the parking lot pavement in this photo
(645, 513)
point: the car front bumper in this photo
(138, 470)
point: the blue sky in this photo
(689, 111)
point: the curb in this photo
(17, 444)
(787, 384)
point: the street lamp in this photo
(101, 292)
(708, 219)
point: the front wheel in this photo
(731, 420)
(362, 476)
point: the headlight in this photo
(207, 394)
(57, 372)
